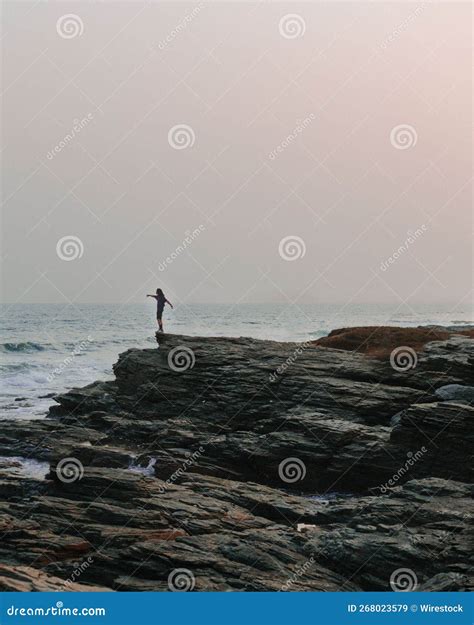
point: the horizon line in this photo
(230, 303)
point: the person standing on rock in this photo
(160, 305)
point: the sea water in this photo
(49, 348)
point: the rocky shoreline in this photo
(238, 464)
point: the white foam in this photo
(25, 467)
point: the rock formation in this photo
(193, 469)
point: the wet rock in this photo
(423, 526)
(457, 393)
(215, 467)
(29, 579)
(442, 436)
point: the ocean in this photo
(49, 348)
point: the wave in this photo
(22, 366)
(28, 346)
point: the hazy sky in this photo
(345, 125)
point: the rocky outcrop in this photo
(252, 465)
(379, 341)
(457, 393)
(445, 431)
(422, 526)
(28, 579)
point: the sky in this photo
(237, 152)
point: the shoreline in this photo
(220, 453)
(58, 367)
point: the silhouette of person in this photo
(160, 305)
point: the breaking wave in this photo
(27, 347)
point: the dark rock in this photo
(422, 526)
(457, 393)
(28, 579)
(380, 341)
(212, 468)
(443, 433)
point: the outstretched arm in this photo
(152, 296)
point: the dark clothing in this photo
(160, 305)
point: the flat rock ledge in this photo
(238, 464)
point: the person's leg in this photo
(159, 314)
